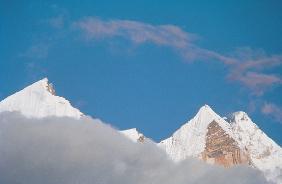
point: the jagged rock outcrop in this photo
(51, 89)
(222, 149)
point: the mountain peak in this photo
(206, 110)
(190, 138)
(43, 85)
(39, 100)
(240, 116)
(241, 121)
(133, 135)
(205, 116)
(264, 153)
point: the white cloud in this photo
(66, 151)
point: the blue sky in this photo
(150, 64)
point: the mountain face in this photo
(38, 101)
(207, 136)
(212, 139)
(190, 139)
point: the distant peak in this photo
(45, 85)
(133, 135)
(39, 100)
(131, 130)
(207, 107)
(43, 81)
(240, 116)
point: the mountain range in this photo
(207, 136)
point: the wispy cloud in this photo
(273, 111)
(137, 32)
(249, 69)
(36, 51)
(246, 66)
(257, 82)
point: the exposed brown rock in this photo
(222, 149)
(51, 89)
(141, 139)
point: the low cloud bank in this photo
(86, 151)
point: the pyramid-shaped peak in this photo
(206, 110)
(190, 139)
(205, 116)
(38, 100)
(42, 85)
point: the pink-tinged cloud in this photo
(273, 111)
(248, 69)
(137, 32)
(257, 82)
(245, 65)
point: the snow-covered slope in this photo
(264, 153)
(190, 139)
(39, 100)
(133, 135)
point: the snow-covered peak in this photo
(242, 122)
(264, 153)
(39, 100)
(206, 109)
(205, 116)
(200, 137)
(240, 116)
(133, 135)
(189, 139)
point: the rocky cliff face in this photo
(222, 149)
(51, 89)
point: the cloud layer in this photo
(66, 151)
